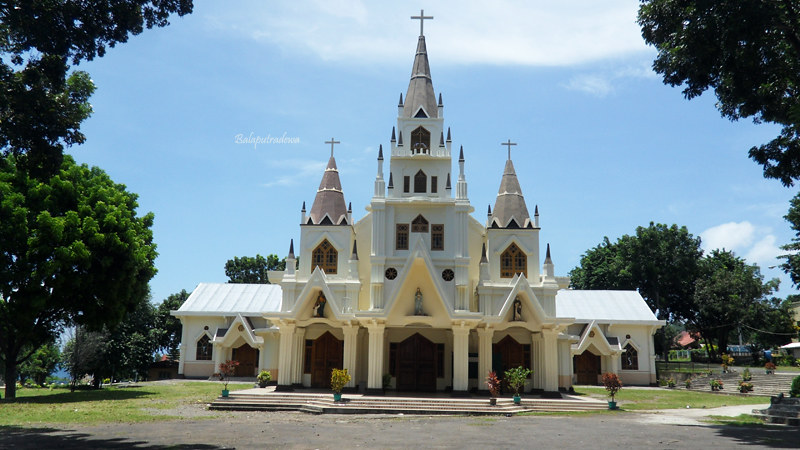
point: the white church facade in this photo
(418, 295)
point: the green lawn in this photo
(109, 404)
(644, 399)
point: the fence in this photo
(685, 367)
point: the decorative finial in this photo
(350, 207)
(393, 138)
(547, 256)
(441, 139)
(380, 152)
(449, 139)
(332, 142)
(484, 259)
(508, 144)
(461, 154)
(421, 17)
(304, 207)
(401, 100)
(391, 181)
(440, 99)
(536, 211)
(447, 185)
(400, 140)
(291, 249)
(489, 211)
(354, 256)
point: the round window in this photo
(448, 275)
(391, 273)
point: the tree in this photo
(249, 269)
(130, 344)
(83, 354)
(72, 251)
(660, 262)
(729, 294)
(41, 364)
(168, 327)
(42, 103)
(748, 52)
(792, 264)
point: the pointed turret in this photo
(510, 210)
(354, 256)
(291, 249)
(329, 206)
(549, 267)
(393, 135)
(420, 93)
(290, 260)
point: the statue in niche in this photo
(517, 313)
(418, 303)
(319, 306)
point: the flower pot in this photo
(612, 405)
(225, 392)
(492, 401)
(262, 384)
(517, 399)
(337, 396)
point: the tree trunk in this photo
(10, 377)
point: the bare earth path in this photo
(213, 430)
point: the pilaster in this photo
(286, 345)
(484, 355)
(550, 359)
(375, 357)
(537, 349)
(297, 355)
(460, 357)
(350, 352)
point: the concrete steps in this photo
(763, 384)
(357, 404)
(782, 410)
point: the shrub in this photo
(746, 376)
(688, 383)
(795, 390)
(715, 384)
(612, 384)
(226, 371)
(745, 387)
(769, 367)
(493, 384)
(339, 378)
(516, 378)
(386, 380)
(671, 382)
(264, 377)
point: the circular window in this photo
(391, 273)
(448, 275)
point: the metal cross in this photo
(332, 142)
(421, 17)
(509, 144)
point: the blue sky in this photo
(603, 145)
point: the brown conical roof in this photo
(329, 206)
(510, 210)
(420, 88)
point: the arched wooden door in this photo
(248, 361)
(508, 354)
(416, 364)
(327, 353)
(587, 367)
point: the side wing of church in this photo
(418, 293)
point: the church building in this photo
(418, 295)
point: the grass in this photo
(34, 406)
(740, 420)
(648, 399)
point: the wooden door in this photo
(248, 361)
(327, 353)
(587, 367)
(509, 354)
(416, 364)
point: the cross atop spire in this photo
(421, 17)
(332, 142)
(508, 144)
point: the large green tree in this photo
(660, 261)
(42, 100)
(792, 259)
(748, 52)
(41, 364)
(248, 269)
(729, 294)
(168, 327)
(72, 251)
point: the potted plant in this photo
(746, 376)
(386, 381)
(263, 378)
(688, 383)
(493, 383)
(716, 384)
(670, 382)
(745, 387)
(769, 368)
(613, 385)
(339, 378)
(226, 371)
(516, 380)
(727, 361)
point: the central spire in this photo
(420, 98)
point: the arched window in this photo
(513, 261)
(420, 181)
(325, 257)
(203, 349)
(420, 140)
(630, 359)
(419, 225)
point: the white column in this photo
(538, 360)
(297, 355)
(285, 354)
(614, 363)
(484, 355)
(219, 356)
(550, 360)
(375, 358)
(460, 357)
(350, 352)
(183, 348)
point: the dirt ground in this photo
(203, 429)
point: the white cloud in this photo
(756, 244)
(294, 171)
(536, 32)
(591, 84)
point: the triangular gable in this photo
(597, 339)
(418, 251)
(513, 239)
(529, 301)
(317, 281)
(246, 333)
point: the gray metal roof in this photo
(603, 306)
(420, 88)
(330, 199)
(510, 204)
(229, 299)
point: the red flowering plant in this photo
(612, 384)
(493, 383)
(226, 371)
